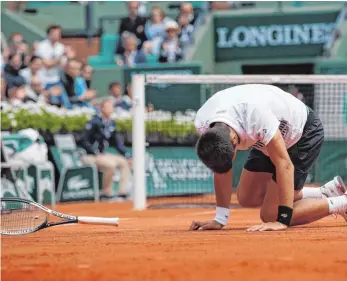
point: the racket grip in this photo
(98, 220)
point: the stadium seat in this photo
(152, 59)
(77, 181)
(108, 43)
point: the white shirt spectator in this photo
(47, 51)
(27, 75)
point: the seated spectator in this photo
(155, 30)
(131, 56)
(34, 69)
(74, 90)
(37, 92)
(16, 91)
(120, 101)
(11, 70)
(19, 46)
(171, 49)
(99, 133)
(87, 74)
(186, 8)
(134, 24)
(52, 53)
(186, 34)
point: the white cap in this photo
(171, 25)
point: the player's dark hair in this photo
(215, 149)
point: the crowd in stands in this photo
(48, 72)
(156, 35)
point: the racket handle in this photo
(98, 220)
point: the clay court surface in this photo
(155, 245)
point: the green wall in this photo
(11, 22)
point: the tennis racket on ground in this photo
(21, 216)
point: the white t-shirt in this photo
(47, 51)
(27, 75)
(255, 112)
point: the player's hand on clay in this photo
(205, 225)
(269, 226)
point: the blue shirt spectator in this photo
(155, 30)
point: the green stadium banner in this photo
(178, 171)
(281, 35)
(78, 184)
(170, 97)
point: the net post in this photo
(139, 141)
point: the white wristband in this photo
(222, 215)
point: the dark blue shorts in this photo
(303, 154)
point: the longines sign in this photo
(274, 35)
(261, 36)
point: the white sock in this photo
(337, 204)
(311, 192)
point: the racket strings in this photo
(21, 217)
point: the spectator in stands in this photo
(16, 91)
(87, 74)
(16, 39)
(186, 8)
(155, 30)
(134, 24)
(37, 92)
(34, 69)
(187, 29)
(73, 92)
(11, 70)
(171, 49)
(131, 55)
(120, 101)
(52, 53)
(19, 46)
(99, 133)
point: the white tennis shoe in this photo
(333, 188)
(343, 212)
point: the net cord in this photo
(245, 79)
